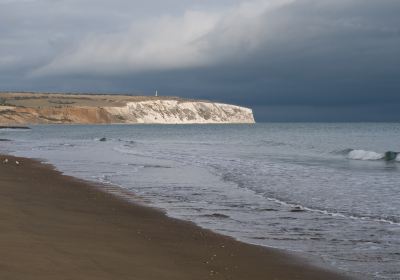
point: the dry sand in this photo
(56, 227)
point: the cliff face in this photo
(162, 111)
(83, 115)
(173, 111)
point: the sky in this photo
(289, 60)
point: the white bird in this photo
(17, 162)
(5, 161)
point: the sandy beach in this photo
(57, 227)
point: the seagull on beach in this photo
(5, 161)
(17, 162)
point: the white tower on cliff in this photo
(156, 93)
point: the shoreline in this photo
(54, 225)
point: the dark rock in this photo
(217, 215)
(297, 209)
(269, 209)
(14, 127)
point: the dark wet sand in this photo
(56, 227)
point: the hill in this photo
(53, 108)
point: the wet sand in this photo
(57, 227)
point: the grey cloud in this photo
(339, 57)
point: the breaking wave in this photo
(371, 155)
(364, 155)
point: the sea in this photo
(330, 191)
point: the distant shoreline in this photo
(56, 108)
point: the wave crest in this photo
(364, 155)
(371, 155)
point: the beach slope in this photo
(57, 227)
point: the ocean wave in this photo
(344, 152)
(298, 207)
(124, 150)
(364, 155)
(272, 143)
(216, 215)
(387, 219)
(370, 155)
(148, 165)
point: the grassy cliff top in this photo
(42, 100)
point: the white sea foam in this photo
(364, 155)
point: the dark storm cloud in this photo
(289, 59)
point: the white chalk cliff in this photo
(175, 112)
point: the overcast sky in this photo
(290, 60)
